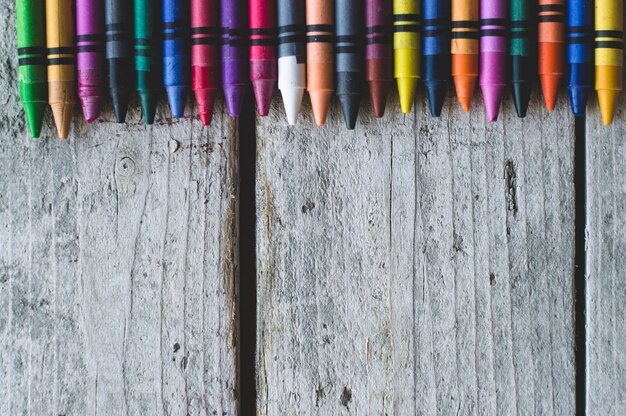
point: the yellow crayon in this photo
(61, 62)
(609, 51)
(406, 49)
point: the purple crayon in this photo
(235, 63)
(493, 54)
(90, 56)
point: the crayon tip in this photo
(91, 108)
(120, 104)
(492, 96)
(263, 92)
(205, 99)
(292, 99)
(320, 101)
(177, 98)
(607, 99)
(378, 96)
(406, 90)
(62, 114)
(521, 97)
(234, 96)
(550, 87)
(34, 113)
(436, 91)
(578, 100)
(148, 107)
(465, 85)
(350, 107)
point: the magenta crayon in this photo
(493, 54)
(235, 63)
(205, 55)
(263, 58)
(90, 56)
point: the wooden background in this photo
(413, 266)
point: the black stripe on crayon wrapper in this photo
(521, 35)
(579, 40)
(300, 38)
(551, 8)
(227, 31)
(174, 25)
(465, 35)
(406, 17)
(436, 32)
(177, 34)
(263, 42)
(205, 30)
(89, 48)
(407, 28)
(320, 39)
(320, 28)
(235, 41)
(580, 29)
(379, 39)
(31, 50)
(382, 29)
(61, 61)
(292, 29)
(349, 49)
(40, 60)
(89, 38)
(609, 34)
(262, 31)
(465, 24)
(604, 44)
(115, 27)
(205, 41)
(143, 42)
(143, 52)
(552, 18)
(494, 32)
(520, 25)
(435, 22)
(493, 22)
(63, 50)
(116, 37)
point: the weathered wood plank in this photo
(117, 263)
(606, 263)
(416, 265)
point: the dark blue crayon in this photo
(580, 53)
(436, 52)
(176, 58)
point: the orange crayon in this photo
(320, 61)
(465, 49)
(552, 35)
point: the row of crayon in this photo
(323, 46)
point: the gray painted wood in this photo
(606, 264)
(416, 265)
(118, 263)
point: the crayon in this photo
(263, 69)
(580, 53)
(522, 52)
(378, 52)
(320, 57)
(609, 38)
(117, 14)
(176, 59)
(349, 65)
(235, 64)
(551, 48)
(147, 56)
(436, 51)
(61, 63)
(465, 49)
(407, 48)
(205, 56)
(31, 50)
(291, 56)
(493, 54)
(90, 56)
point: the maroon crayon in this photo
(90, 56)
(378, 51)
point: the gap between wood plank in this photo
(580, 339)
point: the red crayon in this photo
(263, 66)
(205, 57)
(378, 51)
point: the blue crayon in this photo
(580, 53)
(176, 58)
(436, 51)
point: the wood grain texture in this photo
(416, 265)
(606, 263)
(118, 268)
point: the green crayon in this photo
(32, 70)
(148, 55)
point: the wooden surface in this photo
(416, 265)
(118, 268)
(606, 264)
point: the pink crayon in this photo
(493, 54)
(90, 56)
